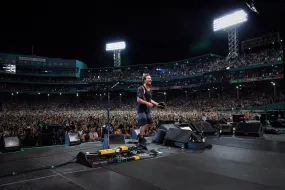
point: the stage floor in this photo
(232, 164)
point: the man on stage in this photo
(145, 102)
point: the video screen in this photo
(8, 68)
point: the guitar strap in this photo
(145, 90)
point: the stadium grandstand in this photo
(121, 95)
(38, 90)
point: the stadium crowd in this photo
(194, 81)
(187, 68)
(87, 112)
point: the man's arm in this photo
(154, 102)
(142, 101)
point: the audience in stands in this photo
(86, 113)
(203, 65)
(190, 67)
(88, 116)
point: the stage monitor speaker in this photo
(159, 136)
(167, 126)
(185, 126)
(249, 129)
(11, 143)
(177, 135)
(114, 141)
(184, 139)
(72, 138)
(182, 124)
(205, 127)
(222, 121)
(226, 128)
(238, 118)
(165, 121)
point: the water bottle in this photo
(182, 146)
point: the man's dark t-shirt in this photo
(142, 108)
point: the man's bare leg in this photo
(142, 132)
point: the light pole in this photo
(274, 90)
(231, 23)
(209, 92)
(120, 100)
(237, 92)
(116, 48)
(266, 112)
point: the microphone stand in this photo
(202, 130)
(108, 113)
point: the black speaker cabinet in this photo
(249, 129)
(205, 127)
(167, 126)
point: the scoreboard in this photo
(8, 68)
(36, 65)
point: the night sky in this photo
(154, 32)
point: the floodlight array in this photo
(229, 20)
(115, 46)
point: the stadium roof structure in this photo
(198, 58)
(35, 57)
(266, 39)
(205, 57)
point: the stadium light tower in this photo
(230, 23)
(116, 47)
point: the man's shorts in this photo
(144, 119)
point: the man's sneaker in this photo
(138, 136)
(142, 140)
